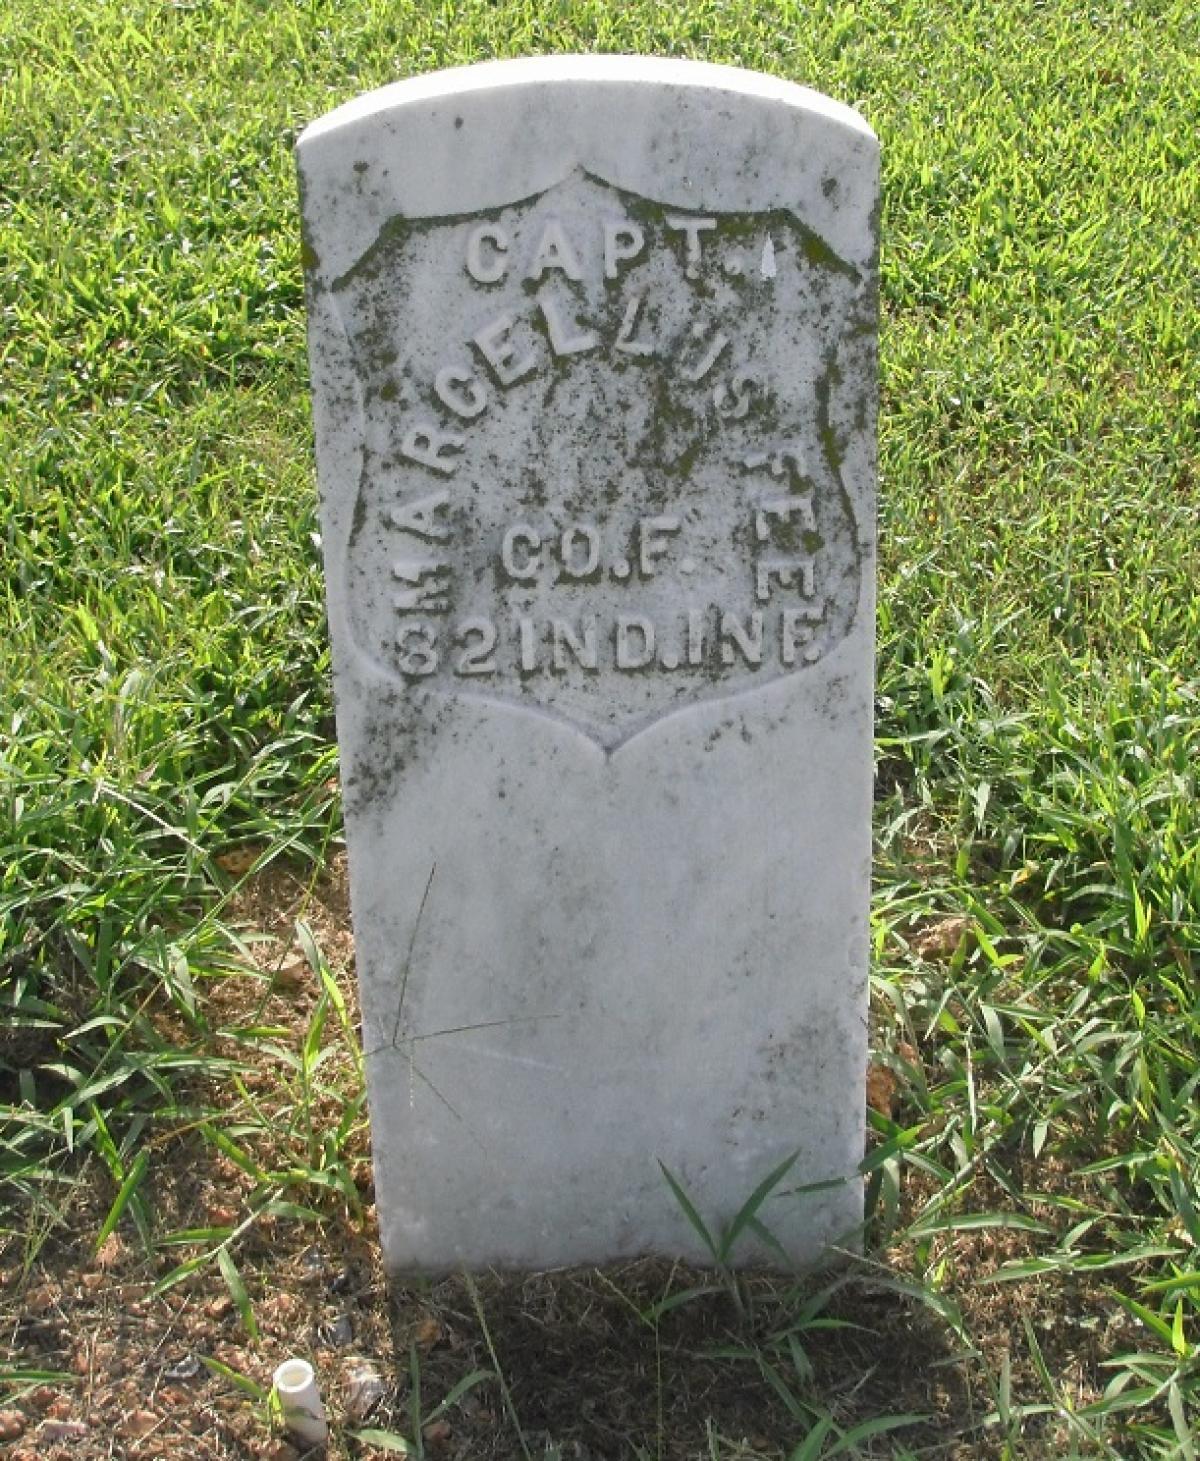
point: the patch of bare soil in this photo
(586, 1368)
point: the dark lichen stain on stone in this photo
(359, 520)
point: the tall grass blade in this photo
(688, 1209)
(125, 1194)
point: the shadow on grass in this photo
(597, 1365)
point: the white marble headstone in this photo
(593, 357)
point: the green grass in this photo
(165, 672)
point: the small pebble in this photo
(364, 1390)
(52, 1431)
(12, 1425)
(338, 1333)
(38, 1300)
(110, 1252)
(185, 1368)
(141, 1423)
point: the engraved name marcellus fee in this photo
(602, 450)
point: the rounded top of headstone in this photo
(571, 70)
(688, 134)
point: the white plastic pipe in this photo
(303, 1412)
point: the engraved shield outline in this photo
(610, 738)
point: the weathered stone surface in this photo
(593, 355)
